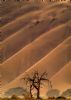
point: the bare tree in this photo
(36, 80)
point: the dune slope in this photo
(12, 68)
(62, 80)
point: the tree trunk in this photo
(30, 94)
(38, 94)
(31, 91)
(38, 91)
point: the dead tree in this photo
(36, 80)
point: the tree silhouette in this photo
(36, 80)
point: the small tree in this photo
(36, 80)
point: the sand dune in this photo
(62, 80)
(36, 39)
(17, 24)
(18, 12)
(9, 6)
(52, 19)
(34, 52)
(20, 22)
(62, 56)
(21, 39)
